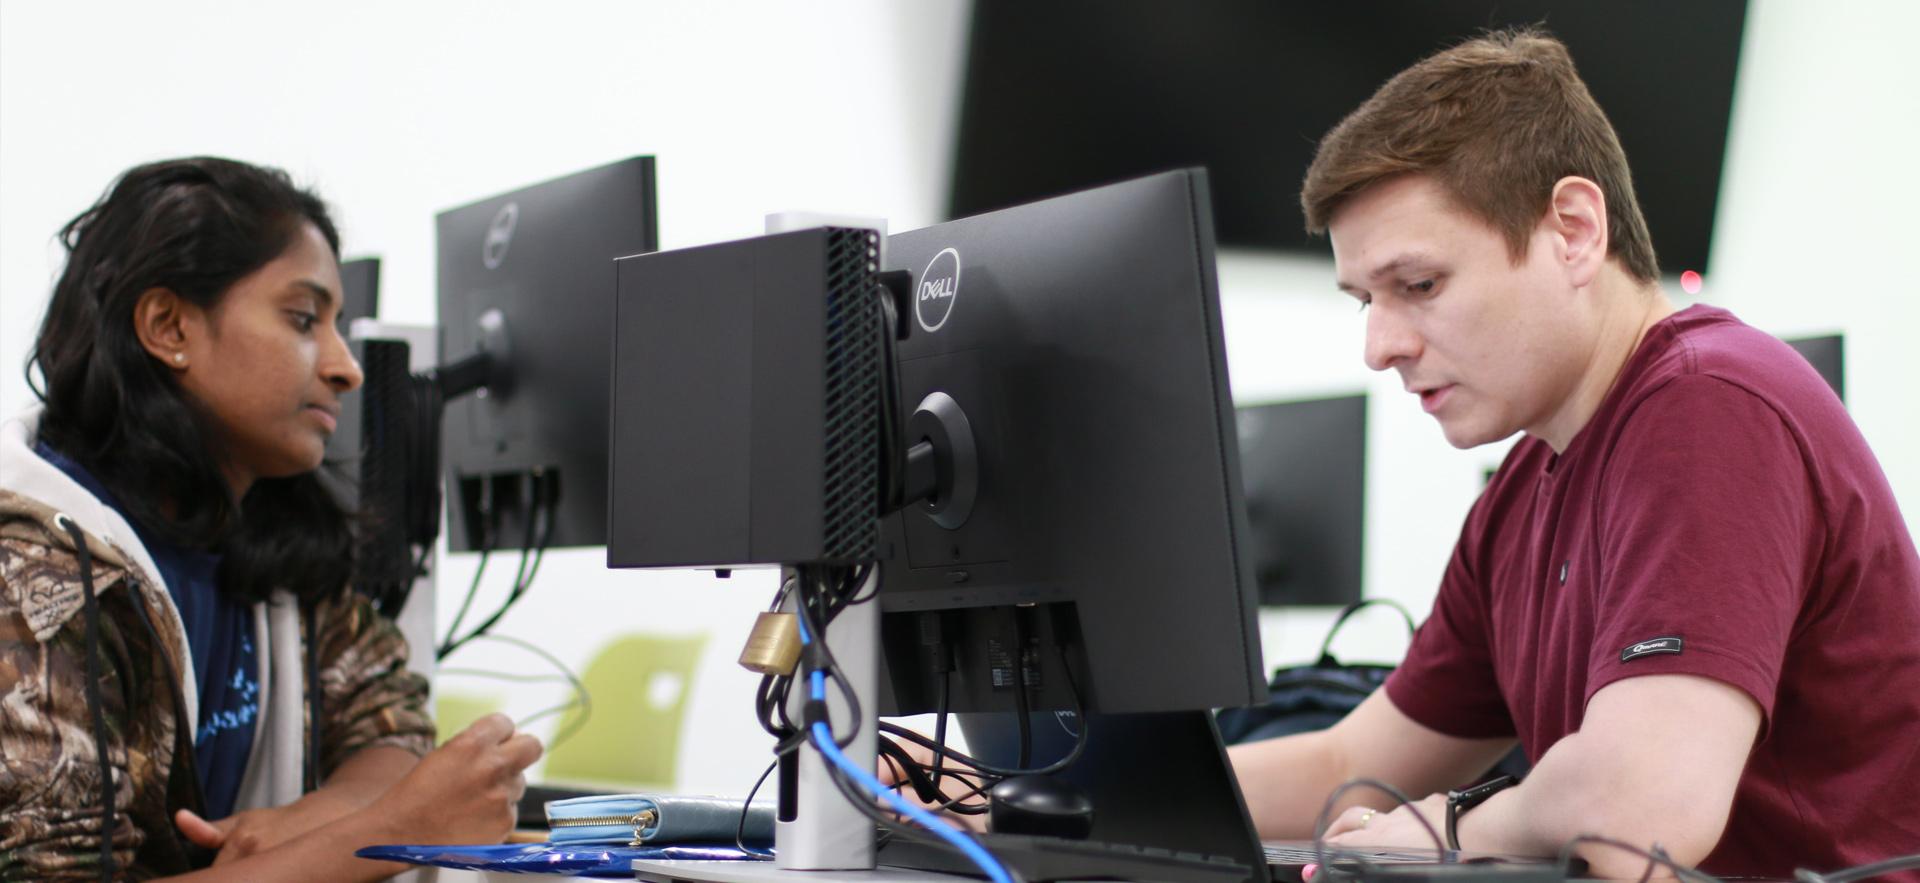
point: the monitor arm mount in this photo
(939, 468)
(485, 372)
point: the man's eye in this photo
(1365, 302)
(1424, 286)
(304, 321)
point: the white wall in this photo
(1814, 230)
(395, 111)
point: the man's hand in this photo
(1363, 826)
(255, 830)
(951, 787)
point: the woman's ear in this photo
(168, 326)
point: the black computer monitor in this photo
(1081, 337)
(359, 299)
(367, 453)
(359, 290)
(1095, 518)
(1305, 464)
(528, 278)
(1100, 591)
(1073, 537)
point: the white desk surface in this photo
(713, 872)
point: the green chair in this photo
(639, 686)
(455, 711)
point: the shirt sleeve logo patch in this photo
(1651, 646)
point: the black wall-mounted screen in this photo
(1065, 95)
(1827, 356)
(1305, 467)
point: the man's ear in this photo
(1577, 216)
(168, 326)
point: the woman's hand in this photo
(464, 791)
(255, 830)
(358, 781)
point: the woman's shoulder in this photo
(40, 569)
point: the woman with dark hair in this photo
(185, 674)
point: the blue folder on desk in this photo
(587, 860)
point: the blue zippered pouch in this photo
(655, 819)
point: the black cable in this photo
(864, 802)
(823, 592)
(91, 614)
(1079, 742)
(1022, 708)
(1655, 856)
(315, 747)
(940, 724)
(857, 577)
(541, 512)
(1861, 872)
(1326, 810)
(892, 433)
(746, 806)
(915, 773)
(486, 513)
(822, 657)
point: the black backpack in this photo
(1310, 697)
(1314, 697)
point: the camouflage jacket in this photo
(50, 770)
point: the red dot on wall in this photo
(1690, 282)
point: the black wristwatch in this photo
(1458, 802)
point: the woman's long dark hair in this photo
(194, 226)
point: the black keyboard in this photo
(1053, 858)
(1278, 854)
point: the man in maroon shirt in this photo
(1688, 593)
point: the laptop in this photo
(1162, 780)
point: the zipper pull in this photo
(641, 821)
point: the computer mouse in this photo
(1041, 805)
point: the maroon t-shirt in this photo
(1719, 516)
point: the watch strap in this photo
(1458, 802)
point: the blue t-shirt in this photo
(220, 639)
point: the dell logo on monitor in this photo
(939, 286)
(499, 235)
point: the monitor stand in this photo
(1159, 780)
(817, 829)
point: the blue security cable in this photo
(823, 742)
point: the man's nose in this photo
(1390, 338)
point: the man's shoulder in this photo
(1711, 343)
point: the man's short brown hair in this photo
(1495, 121)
